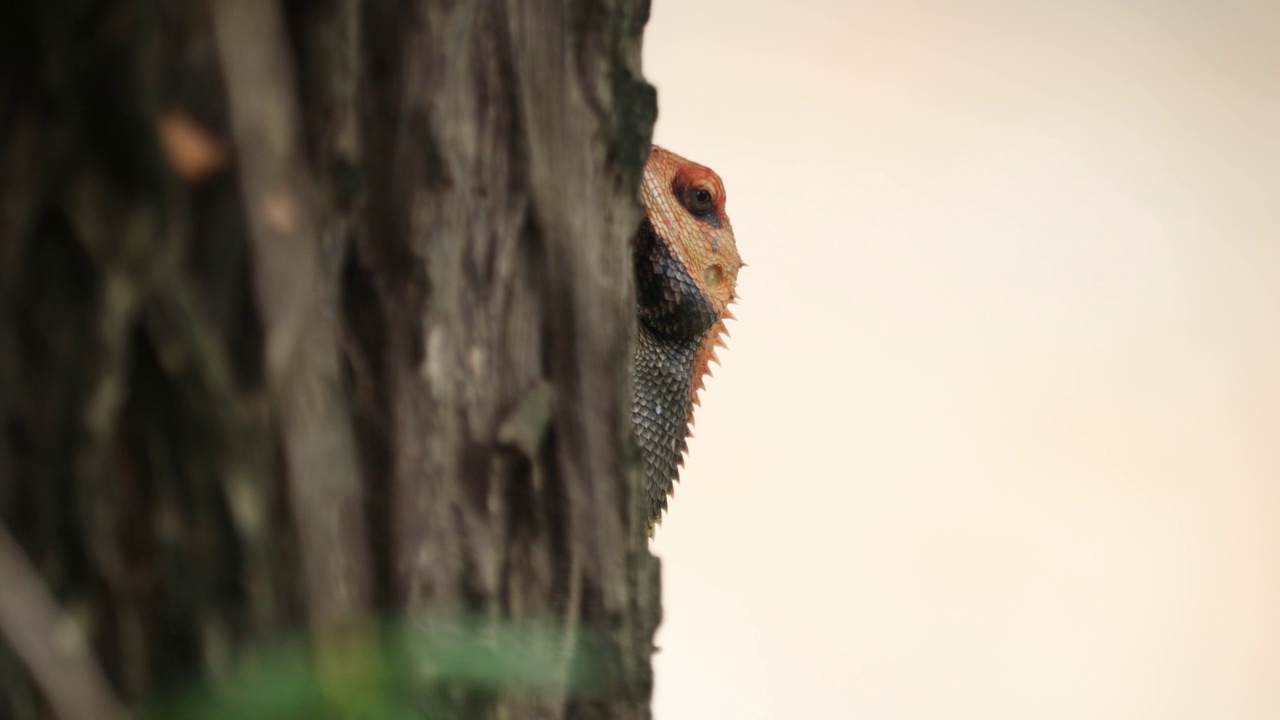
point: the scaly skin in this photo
(686, 266)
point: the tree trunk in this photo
(315, 325)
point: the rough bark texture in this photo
(314, 314)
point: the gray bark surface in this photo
(315, 320)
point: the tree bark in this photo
(315, 325)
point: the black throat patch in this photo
(669, 302)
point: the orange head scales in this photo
(686, 206)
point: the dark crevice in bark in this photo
(364, 374)
(57, 292)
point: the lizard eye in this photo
(700, 202)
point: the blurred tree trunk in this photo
(312, 315)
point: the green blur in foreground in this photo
(417, 671)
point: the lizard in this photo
(686, 271)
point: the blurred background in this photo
(998, 431)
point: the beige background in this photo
(998, 431)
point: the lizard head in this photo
(686, 272)
(686, 206)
